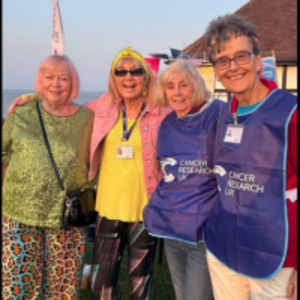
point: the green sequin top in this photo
(31, 192)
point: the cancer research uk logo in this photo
(185, 167)
(168, 177)
(219, 170)
(238, 181)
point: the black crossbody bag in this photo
(79, 206)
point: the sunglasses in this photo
(134, 72)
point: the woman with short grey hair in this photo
(251, 234)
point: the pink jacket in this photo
(105, 118)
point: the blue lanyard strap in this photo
(126, 135)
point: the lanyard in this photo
(234, 115)
(234, 105)
(126, 135)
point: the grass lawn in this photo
(162, 285)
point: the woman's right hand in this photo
(21, 100)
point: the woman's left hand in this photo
(292, 286)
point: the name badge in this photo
(234, 133)
(124, 151)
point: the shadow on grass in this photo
(162, 285)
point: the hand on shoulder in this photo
(21, 100)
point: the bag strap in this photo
(48, 147)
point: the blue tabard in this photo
(248, 227)
(184, 198)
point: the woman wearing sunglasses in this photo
(251, 234)
(123, 143)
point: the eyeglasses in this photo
(239, 58)
(134, 72)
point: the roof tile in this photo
(276, 23)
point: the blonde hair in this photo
(61, 62)
(200, 92)
(150, 85)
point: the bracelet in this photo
(33, 97)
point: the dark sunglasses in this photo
(134, 72)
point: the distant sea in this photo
(8, 95)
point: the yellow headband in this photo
(127, 53)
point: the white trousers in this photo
(228, 285)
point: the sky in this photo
(96, 30)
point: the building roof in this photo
(276, 23)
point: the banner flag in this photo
(153, 63)
(159, 55)
(57, 30)
(175, 53)
(268, 70)
(184, 55)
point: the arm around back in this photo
(96, 104)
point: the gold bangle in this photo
(33, 97)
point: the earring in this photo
(144, 91)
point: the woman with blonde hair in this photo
(184, 197)
(123, 143)
(40, 258)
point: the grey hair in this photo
(219, 29)
(200, 93)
